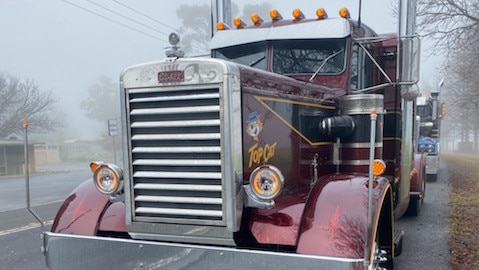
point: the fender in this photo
(418, 174)
(81, 211)
(334, 222)
(113, 220)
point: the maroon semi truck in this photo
(290, 147)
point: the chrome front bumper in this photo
(86, 252)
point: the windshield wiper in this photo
(324, 63)
(256, 61)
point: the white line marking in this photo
(30, 226)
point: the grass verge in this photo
(464, 201)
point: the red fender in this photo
(335, 218)
(113, 219)
(81, 211)
(279, 225)
(418, 175)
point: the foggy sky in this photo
(65, 49)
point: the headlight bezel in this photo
(107, 178)
(266, 182)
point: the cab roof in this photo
(312, 29)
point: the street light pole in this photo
(27, 175)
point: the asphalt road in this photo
(19, 231)
(425, 241)
(425, 244)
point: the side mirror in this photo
(410, 52)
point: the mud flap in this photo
(398, 237)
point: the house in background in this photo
(12, 157)
(47, 153)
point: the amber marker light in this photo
(256, 19)
(220, 26)
(108, 178)
(298, 14)
(239, 23)
(266, 182)
(344, 13)
(321, 14)
(275, 16)
(379, 167)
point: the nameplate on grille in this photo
(171, 76)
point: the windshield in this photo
(424, 111)
(253, 55)
(309, 56)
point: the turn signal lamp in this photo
(222, 26)
(256, 19)
(379, 167)
(321, 13)
(344, 13)
(108, 178)
(266, 182)
(298, 14)
(239, 23)
(275, 16)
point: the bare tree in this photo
(453, 26)
(449, 23)
(463, 96)
(102, 104)
(196, 28)
(23, 100)
(196, 24)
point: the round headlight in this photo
(108, 179)
(266, 182)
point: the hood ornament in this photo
(174, 50)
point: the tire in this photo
(431, 177)
(414, 207)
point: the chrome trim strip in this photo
(179, 162)
(196, 123)
(354, 162)
(176, 211)
(172, 98)
(190, 136)
(175, 199)
(192, 175)
(360, 145)
(200, 149)
(193, 109)
(178, 187)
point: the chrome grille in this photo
(175, 149)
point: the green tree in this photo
(23, 100)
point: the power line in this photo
(125, 17)
(140, 13)
(114, 21)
